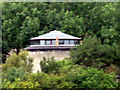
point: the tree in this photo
(27, 20)
(20, 24)
(109, 32)
(93, 53)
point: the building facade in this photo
(54, 40)
(53, 44)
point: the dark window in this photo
(76, 42)
(31, 42)
(48, 42)
(61, 41)
(35, 42)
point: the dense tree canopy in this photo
(21, 21)
(93, 53)
(94, 64)
(65, 76)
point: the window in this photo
(37, 42)
(61, 41)
(66, 41)
(42, 42)
(76, 42)
(48, 42)
(31, 42)
(53, 42)
(72, 42)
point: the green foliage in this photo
(13, 73)
(27, 20)
(113, 68)
(29, 80)
(59, 81)
(41, 78)
(19, 84)
(115, 49)
(76, 77)
(93, 53)
(22, 21)
(91, 78)
(49, 65)
(20, 60)
(18, 25)
(52, 66)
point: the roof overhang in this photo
(55, 39)
(54, 34)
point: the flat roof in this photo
(54, 34)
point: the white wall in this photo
(38, 56)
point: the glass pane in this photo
(31, 42)
(76, 42)
(66, 41)
(42, 42)
(72, 42)
(48, 42)
(61, 41)
(36, 42)
(53, 42)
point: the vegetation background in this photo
(94, 64)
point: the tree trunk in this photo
(17, 51)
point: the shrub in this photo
(91, 78)
(59, 82)
(112, 68)
(65, 65)
(20, 84)
(76, 77)
(49, 65)
(42, 78)
(20, 60)
(13, 73)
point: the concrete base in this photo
(38, 56)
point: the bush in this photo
(76, 77)
(13, 73)
(42, 78)
(65, 65)
(91, 78)
(19, 84)
(49, 65)
(29, 80)
(113, 68)
(59, 82)
(20, 60)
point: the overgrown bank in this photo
(90, 66)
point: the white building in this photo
(53, 44)
(54, 40)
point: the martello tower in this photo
(53, 44)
